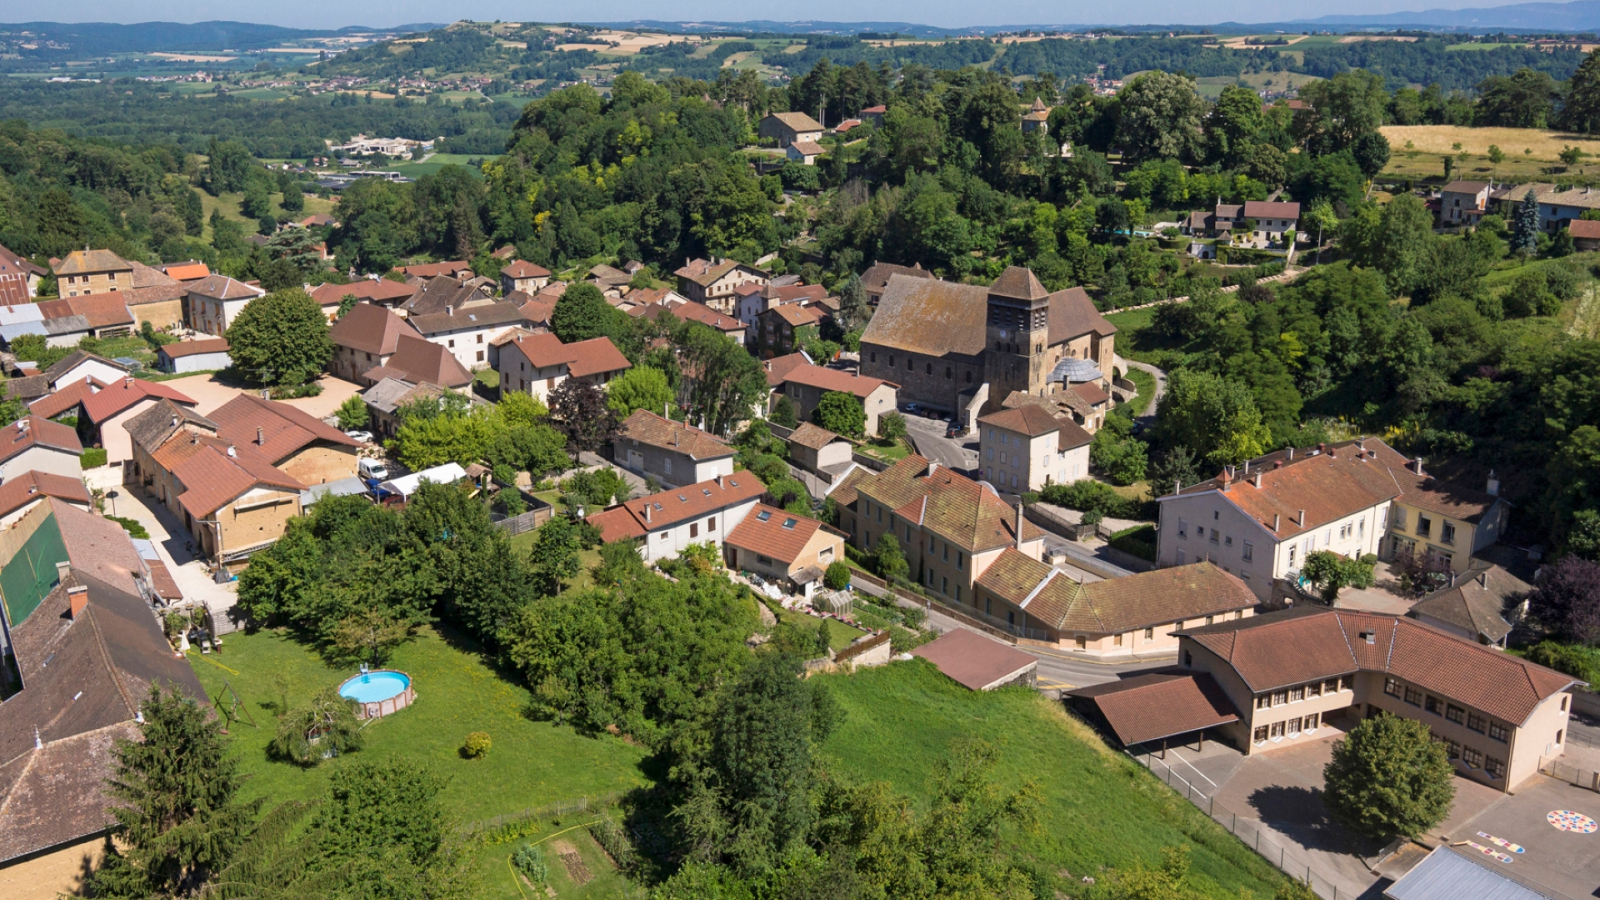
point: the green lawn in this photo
(531, 764)
(1098, 807)
(899, 450)
(1140, 403)
(839, 634)
(435, 162)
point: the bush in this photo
(93, 458)
(325, 727)
(530, 861)
(131, 526)
(1139, 540)
(476, 745)
(837, 578)
(1569, 659)
(1086, 495)
(609, 835)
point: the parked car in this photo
(364, 437)
(953, 431)
(913, 409)
(372, 469)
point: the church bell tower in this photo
(1018, 331)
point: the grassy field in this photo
(1440, 140)
(839, 634)
(1099, 808)
(1147, 390)
(1129, 325)
(229, 204)
(1211, 86)
(434, 163)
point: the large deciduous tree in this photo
(840, 413)
(1567, 599)
(581, 313)
(1161, 117)
(1581, 112)
(578, 410)
(1216, 416)
(641, 387)
(1389, 778)
(281, 338)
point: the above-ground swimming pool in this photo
(379, 693)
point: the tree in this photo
(1331, 572)
(177, 817)
(281, 338)
(783, 412)
(892, 564)
(581, 313)
(1396, 240)
(641, 387)
(891, 427)
(1160, 117)
(1176, 467)
(371, 635)
(1525, 226)
(352, 413)
(1123, 459)
(325, 726)
(837, 576)
(853, 309)
(1581, 111)
(1339, 110)
(1214, 415)
(578, 410)
(1525, 99)
(840, 413)
(1389, 778)
(1567, 599)
(730, 385)
(554, 556)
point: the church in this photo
(964, 349)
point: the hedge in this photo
(93, 458)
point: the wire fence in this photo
(1572, 775)
(485, 828)
(1252, 832)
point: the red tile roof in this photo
(780, 535)
(19, 491)
(796, 315)
(581, 359)
(422, 360)
(187, 271)
(51, 405)
(31, 431)
(212, 478)
(673, 506)
(1584, 228)
(651, 428)
(120, 395)
(434, 270)
(521, 268)
(283, 429)
(833, 380)
(370, 329)
(380, 290)
(191, 348)
(975, 661)
(1159, 705)
(1116, 605)
(779, 367)
(960, 510)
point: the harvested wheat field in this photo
(1440, 139)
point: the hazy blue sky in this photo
(324, 14)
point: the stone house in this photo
(664, 524)
(1475, 604)
(819, 451)
(1139, 614)
(421, 361)
(780, 546)
(376, 291)
(364, 339)
(158, 296)
(804, 385)
(304, 447)
(1463, 202)
(876, 278)
(521, 275)
(713, 281)
(803, 152)
(88, 271)
(536, 364)
(214, 303)
(1026, 448)
(790, 128)
(33, 444)
(673, 452)
(1585, 234)
(776, 329)
(458, 269)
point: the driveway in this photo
(176, 549)
(960, 454)
(209, 393)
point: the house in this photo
(466, 331)
(420, 361)
(228, 495)
(1475, 604)
(188, 270)
(778, 368)
(777, 329)
(755, 299)
(442, 295)
(1026, 448)
(688, 311)
(537, 363)
(805, 385)
(21, 494)
(521, 275)
(803, 152)
(874, 114)
(612, 281)
(1585, 234)
(87, 649)
(386, 398)
(364, 339)
(790, 127)
(965, 348)
(206, 355)
(1463, 202)
(819, 451)
(67, 322)
(158, 296)
(1254, 223)
(673, 452)
(876, 278)
(81, 364)
(1037, 118)
(1285, 673)
(105, 412)
(306, 448)
(457, 269)
(950, 529)
(32, 444)
(91, 272)
(19, 278)
(712, 281)
(1353, 498)
(979, 663)
(666, 523)
(846, 126)
(376, 291)
(216, 301)
(1559, 209)
(1139, 614)
(782, 547)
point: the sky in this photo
(946, 13)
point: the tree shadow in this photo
(1299, 813)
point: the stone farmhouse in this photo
(1254, 223)
(790, 128)
(88, 271)
(714, 282)
(674, 452)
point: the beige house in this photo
(91, 272)
(466, 332)
(34, 444)
(780, 546)
(1139, 614)
(673, 452)
(22, 493)
(665, 524)
(790, 128)
(712, 282)
(215, 301)
(950, 529)
(1463, 202)
(804, 385)
(107, 411)
(537, 363)
(365, 339)
(304, 447)
(818, 450)
(521, 275)
(1261, 520)
(1026, 448)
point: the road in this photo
(1125, 364)
(928, 434)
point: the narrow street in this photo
(960, 454)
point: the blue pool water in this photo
(375, 686)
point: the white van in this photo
(372, 469)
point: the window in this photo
(1277, 731)
(1297, 694)
(1391, 687)
(711, 525)
(765, 561)
(1498, 732)
(1118, 640)
(1294, 726)
(1249, 551)
(1279, 698)
(1314, 689)
(1227, 541)
(1424, 526)
(480, 338)
(1477, 723)
(480, 356)
(1199, 531)
(1149, 634)
(944, 585)
(694, 529)
(1263, 701)
(1413, 696)
(961, 560)
(452, 342)
(1215, 536)
(1455, 714)
(1434, 705)
(1292, 548)
(1447, 533)
(1495, 767)
(1260, 735)
(1473, 758)
(874, 356)
(947, 373)
(667, 465)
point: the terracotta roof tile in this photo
(1116, 605)
(18, 491)
(796, 314)
(779, 367)
(833, 380)
(1073, 313)
(124, 393)
(488, 315)
(192, 348)
(1282, 209)
(381, 291)
(32, 431)
(975, 661)
(521, 268)
(876, 277)
(212, 478)
(650, 428)
(672, 506)
(422, 360)
(1160, 705)
(1475, 600)
(930, 317)
(186, 271)
(958, 509)
(369, 328)
(813, 436)
(51, 405)
(222, 287)
(1031, 420)
(284, 430)
(450, 269)
(780, 535)
(581, 359)
(84, 262)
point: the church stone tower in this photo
(1018, 335)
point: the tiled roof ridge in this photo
(105, 655)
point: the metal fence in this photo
(1252, 832)
(1570, 774)
(554, 810)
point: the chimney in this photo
(1416, 466)
(1247, 468)
(1333, 452)
(1019, 526)
(63, 568)
(78, 597)
(719, 480)
(1277, 521)
(449, 310)
(1177, 487)
(1493, 487)
(1291, 454)
(261, 437)
(174, 421)
(1483, 579)
(33, 489)
(1361, 445)
(127, 382)
(1301, 518)
(1256, 479)
(647, 512)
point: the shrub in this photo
(530, 861)
(93, 458)
(131, 526)
(324, 727)
(1570, 659)
(611, 838)
(1086, 495)
(837, 577)
(476, 745)
(1139, 540)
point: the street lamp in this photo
(112, 496)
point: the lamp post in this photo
(112, 496)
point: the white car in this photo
(364, 437)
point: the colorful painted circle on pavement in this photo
(1496, 854)
(1514, 848)
(1567, 820)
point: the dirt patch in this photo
(576, 870)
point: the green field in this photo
(434, 163)
(229, 205)
(1099, 808)
(259, 94)
(1147, 390)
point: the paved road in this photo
(1161, 383)
(928, 434)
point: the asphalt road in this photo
(928, 434)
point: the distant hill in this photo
(1580, 15)
(95, 38)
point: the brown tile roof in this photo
(1282, 209)
(284, 430)
(930, 317)
(101, 310)
(1455, 187)
(581, 359)
(489, 315)
(960, 510)
(422, 360)
(451, 269)
(66, 364)
(534, 310)
(1032, 420)
(797, 121)
(222, 287)
(779, 367)
(703, 271)
(31, 430)
(1475, 600)
(124, 393)
(442, 293)
(369, 328)
(796, 315)
(214, 479)
(650, 428)
(1160, 705)
(1145, 600)
(813, 436)
(687, 310)
(1091, 393)
(673, 506)
(145, 276)
(877, 276)
(51, 405)
(806, 148)
(380, 291)
(151, 428)
(1018, 283)
(975, 661)
(86, 262)
(780, 535)
(155, 293)
(20, 490)
(521, 268)
(1584, 228)
(27, 388)
(1073, 313)
(192, 348)
(833, 380)
(1306, 644)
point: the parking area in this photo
(209, 393)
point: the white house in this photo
(536, 363)
(215, 301)
(665, 523)
(1025, 448)
(466, 332)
